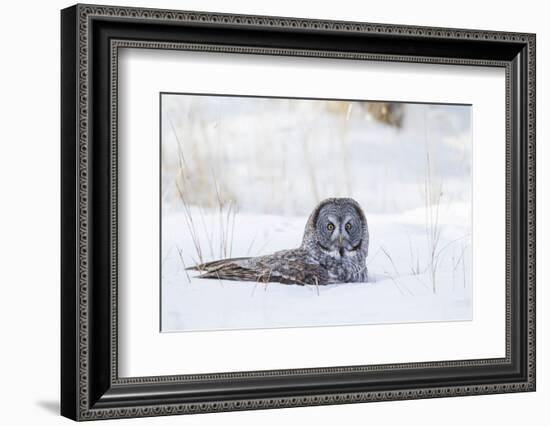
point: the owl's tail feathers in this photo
(209, 266)
(228, 269)
(262, 270)
(235, 273)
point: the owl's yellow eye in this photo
(330, 226)
(348, 226)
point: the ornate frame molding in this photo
(79, 21)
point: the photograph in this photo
(299, 212)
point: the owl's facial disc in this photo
(339, 233)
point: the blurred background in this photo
(282, 156)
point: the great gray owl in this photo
(334, 250)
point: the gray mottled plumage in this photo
(334, 250)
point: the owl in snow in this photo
(334, 250)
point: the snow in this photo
(268, 162)
(394, 293)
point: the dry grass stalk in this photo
(226, 215)
(394, 282)
(317, 286)
(415, 260)
(461, 260)
(433, 229)
(396, 272)
(183, 263)
(251, 244)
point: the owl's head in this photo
(338, 228)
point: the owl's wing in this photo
(286, 267)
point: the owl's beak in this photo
(341, 245)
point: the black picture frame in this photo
(90, 386)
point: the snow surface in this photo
(395, 293)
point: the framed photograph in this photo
(263, 212)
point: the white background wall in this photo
(29, 211)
